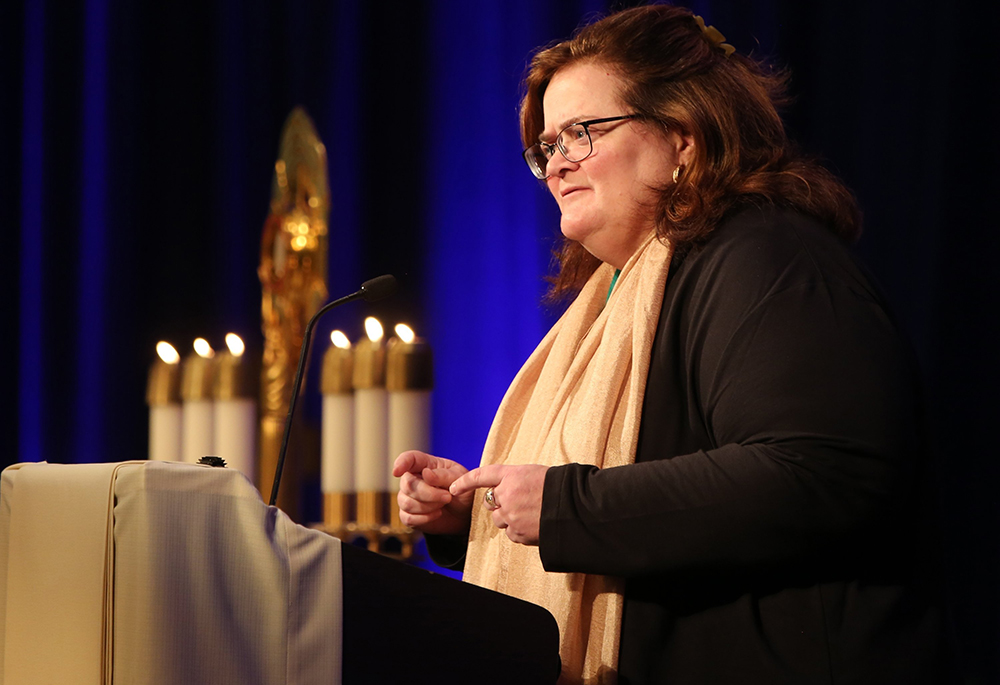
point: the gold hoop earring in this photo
(677, 173)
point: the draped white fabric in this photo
(157, 573)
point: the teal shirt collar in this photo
(614, 279)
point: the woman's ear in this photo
(685, 148)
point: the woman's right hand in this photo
(424, 501)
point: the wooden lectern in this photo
(166, 574)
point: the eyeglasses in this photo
(573, 142)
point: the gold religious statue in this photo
(293, 279)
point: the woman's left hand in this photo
(517, 493)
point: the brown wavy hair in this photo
(677, 79)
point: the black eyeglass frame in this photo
(548, 149)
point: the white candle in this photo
(163, 396)
(370, 411)
(196, 391)
(337, 463)
(235, 410)
(409, 380)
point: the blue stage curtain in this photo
(491, 226)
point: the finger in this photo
(405, 463)
(483, 477)
(415, 506)
(441, 477)
(413, 461)
(417, 520)
(498, 519)
(415, 487)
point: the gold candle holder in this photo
(163, 395)
(338, 370)
(337, 435)
(369, 359)
(164, 384)
(394, 522)
(337, 511)
(197, 374)
(409, 364)
(365, 369)
(236, 421)
(235, 376)
(372, 509)
(409, 380)
(371, 413)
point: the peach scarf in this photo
(578, 398)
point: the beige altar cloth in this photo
(160, 573)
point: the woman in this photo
(707, 470)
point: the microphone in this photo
(374, 290)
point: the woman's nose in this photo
(558, 164)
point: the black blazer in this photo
(772, 529)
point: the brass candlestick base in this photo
(397, 541)
(369, 528)
(338, 511)
(394, 521)
(373, 508)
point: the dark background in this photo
(137, 142)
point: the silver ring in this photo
(491, 500)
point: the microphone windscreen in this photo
(378, 288)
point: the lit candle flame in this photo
(374, 329)
(340, 340)
(203, 349)
(167, 352)
(405, 333)
(235, 344)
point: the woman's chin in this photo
(573, 230)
